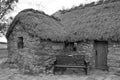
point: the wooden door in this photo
(101, 48)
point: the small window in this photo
(71, 46)
(20, 42)
(75, 47)
(66, 44)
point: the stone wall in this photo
(38, 53)
(87, 49)
(36, 48)
(114, 57)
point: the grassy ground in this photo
(3, 52)
(14, 74)
(3, 55)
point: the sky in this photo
(48, 6)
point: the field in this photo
(3, 55)
(3, 52)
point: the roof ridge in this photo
(39, 12)
(32, 12)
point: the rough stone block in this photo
(114, 69)
(113, 57)
(57, 47)
(47, 48)
(113, 64)
(117, 53)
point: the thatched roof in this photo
(39, 24)
(99, 22)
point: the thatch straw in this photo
(39, 24)
(100, 22)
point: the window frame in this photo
(20, 43)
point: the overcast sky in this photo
(48, 6)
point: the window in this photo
(20, 42)
(66, 44)
(71, 46)
(75, 47)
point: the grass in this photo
(13, 74)
(3, 52)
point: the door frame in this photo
(96, 44)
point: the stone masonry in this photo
(114, 57)
(38, 54)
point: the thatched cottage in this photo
(34, 37)
(30, 37)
